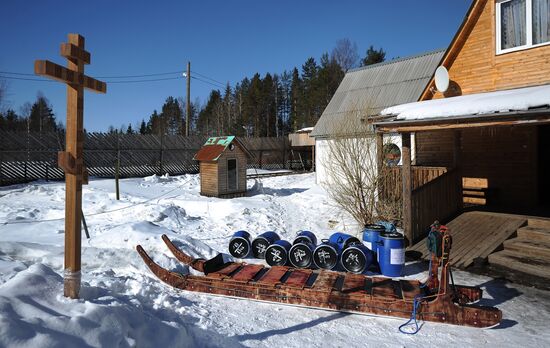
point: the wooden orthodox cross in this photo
(71, 160)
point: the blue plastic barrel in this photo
(301, 254)
(391, 254)
(326, 254)
(356, 258)
(305, 236)
(371, 235)
(277, 253)
(260, 243)
(239, 245)
(343, 239)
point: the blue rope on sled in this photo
(412, 320)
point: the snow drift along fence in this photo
(33, 156)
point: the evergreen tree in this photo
(295, 100)
(171, 117)
(373, 56)
(42, 118)
(129, 130)
(143, 127)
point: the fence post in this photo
(117, 166)
(161, 153)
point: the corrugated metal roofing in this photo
(365, 91)
(213, 148)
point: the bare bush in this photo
(357, 184)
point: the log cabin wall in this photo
(477, 68)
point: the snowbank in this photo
(124, 305)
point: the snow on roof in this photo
(482, 103)
(305, 130)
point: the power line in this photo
(208, 82)
(209, 78)
(128, 81)
(105, 77)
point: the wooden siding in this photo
(505, 156)
(241, 158)
(477, 68)
(209, 178)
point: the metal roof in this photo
(365, 91)
(215, 146)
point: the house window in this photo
(522, 24)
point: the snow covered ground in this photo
(124, 305)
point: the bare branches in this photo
(355, 182)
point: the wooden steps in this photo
(476, 235)
(520, 262)
(529, 252)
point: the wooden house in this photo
(489, 132)
(223, 163)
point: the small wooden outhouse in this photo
(223, 162)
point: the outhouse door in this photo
(232, 174)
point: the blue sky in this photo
(224, 40)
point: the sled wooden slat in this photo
(273, 275)
(325, 281)
(354, 283)
(409, 289)
(247, 272)
(383, 287)
(225, 272)
(298, 278)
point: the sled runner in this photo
(451, 304)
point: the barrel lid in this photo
(300, 255)
(391, 235)
(375, 227)
(259, 246)
(239, 247)
(354, 260)
(325, 256)
(276, 255)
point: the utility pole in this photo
(188, 102)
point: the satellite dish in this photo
(442, 79)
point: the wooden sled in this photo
(330, 290)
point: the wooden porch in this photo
(516, 244)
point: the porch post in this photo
(457, 167)
(407, 187)
(379, 150)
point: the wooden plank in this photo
(247, 272)
(232, 267)
(273, 275)
(407, 186)
(354, 283)
(57, 72)
(384, 287)
(325, 281)
(298, 278)
(68, 50)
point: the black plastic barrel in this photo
(326, 254)
(356, 258)
(239, 245)
(301, 254)
(277, 253)
(260, 243)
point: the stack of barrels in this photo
(381, 248)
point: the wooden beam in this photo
(69, 50)
(57, 72)
(407, 187)
(444, 126)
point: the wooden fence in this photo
(32, 156)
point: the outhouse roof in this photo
(215, 146)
